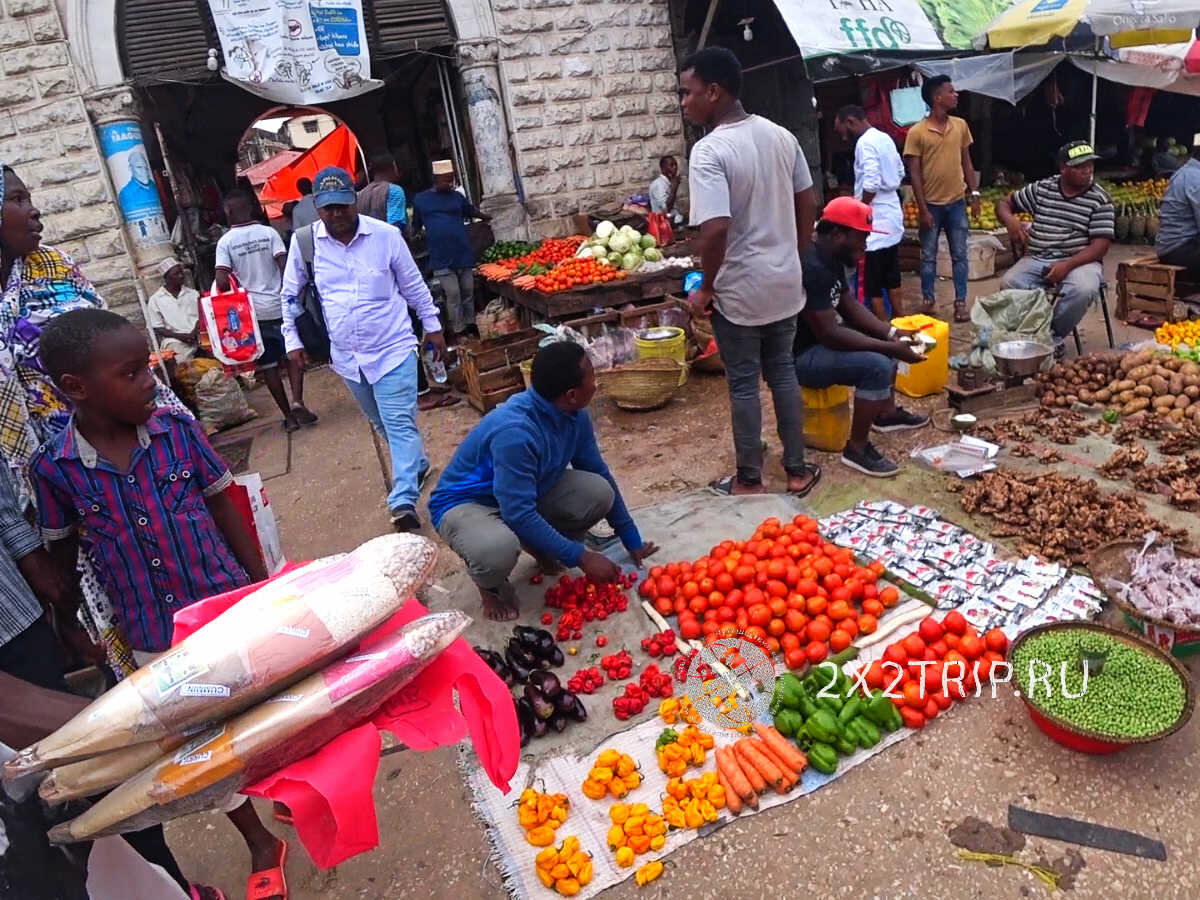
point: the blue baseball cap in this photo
(333, 187)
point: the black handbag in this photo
(310, 321)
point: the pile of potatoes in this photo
(1133, 383)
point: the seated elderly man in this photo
(839, 341)
(174, 312)
(1072, 230)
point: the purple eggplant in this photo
(543, 707)
(497, 664)
(520, 672)
(556, 657)
(559, 722)
(564, 703)
(527, 658)
(540, 727)
(578, 712)
(527, 637)
(547, 683)
(525, 720)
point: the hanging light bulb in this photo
(211, 63)
(747, 33)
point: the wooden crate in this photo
(490, 367)
(1146, 285)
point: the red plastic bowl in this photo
(1070, 739)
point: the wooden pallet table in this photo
(1145, 285)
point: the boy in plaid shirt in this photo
(144, 492)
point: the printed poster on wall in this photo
(133, 179)
(295, 51)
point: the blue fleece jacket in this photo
(513, 457)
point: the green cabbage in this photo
(605, 229)
(653, 254)
(631, 261)
(620, 243)
(648, 241)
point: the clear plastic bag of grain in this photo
(274, 636)
(293, 724)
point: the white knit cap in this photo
(166, 265)
(443, 167)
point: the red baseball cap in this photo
(849, 213)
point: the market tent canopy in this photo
(260, 172)
(859, 26)
(1032, 23)
(1165, 67)
(338, 148)
(1003, 76)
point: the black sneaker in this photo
(869, 461)
(404, 518)
(900, 420)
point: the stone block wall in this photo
(47, 138)
(591, 88)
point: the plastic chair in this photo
(1107, 322)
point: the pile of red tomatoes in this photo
(786, 589)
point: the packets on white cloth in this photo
(277, 634)
(294, 723)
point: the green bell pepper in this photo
(865, 732)
(823, 727)
(823, 758)
(788, 722)
(882, 712)
(846, 744)
(851, 709)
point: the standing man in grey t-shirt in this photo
(752, 198)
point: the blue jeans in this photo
(951, 218)
(1076, 293)
(872, 375)
(752, 353)
(390, 404)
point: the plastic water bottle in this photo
(434, 366)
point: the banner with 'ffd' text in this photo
(295, 51)
(858, 26)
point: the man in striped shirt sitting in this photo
(1072, 230)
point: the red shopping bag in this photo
(659, 226)
(231, 325)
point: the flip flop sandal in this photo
(814, 470)
(927, 306)
(269, 882)
(960, 312)
(723, 486)
(304, 415)
(205, 892)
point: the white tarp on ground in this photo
(1004, 76)
(292, 52)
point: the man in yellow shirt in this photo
(937, 151)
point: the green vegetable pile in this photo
(502, 250)
(1135, 695)
(827, 727)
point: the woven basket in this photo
(645, 383)
(703, 333)
(1112, 561)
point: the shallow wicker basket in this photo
(1112, 561)
(1087, 741)
(703, 333)
(645, 383)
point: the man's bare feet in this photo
(801, 484)
(496, 607)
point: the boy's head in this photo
(239, 207)
(562, 373)
(101, 363)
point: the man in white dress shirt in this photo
(366, 276)
(878, 171)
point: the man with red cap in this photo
(839, 341)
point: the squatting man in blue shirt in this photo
(509, 487)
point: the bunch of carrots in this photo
(747, 768)
(496, 271)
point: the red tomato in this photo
(759, 614)
(754, 596)
(734, 599)
(818, 630)
(816, 651)
(790, 641)
(996, 640)
(912, 718)
(849, 625)
(841, 594)
(896, 653)
(648, 589)
(929, 655)
(940, 647)
(666, 585)
(954, 622)
(874, 677)
(663, 606)
(870, 592)
(755, 633)
(795, 658)
(689, 629)
(709, 615)
(776, 627)
(832, 582)
(855, 587)
(931, 709)
(807, 586)
(709, 628)
(943, 702)
(930, 629)
(971, 647)
(698, 605)
(838, 640)
(913, 696)
(914, 646)
(889, 596)
(867, 624)
(744, 574)
(795, 620)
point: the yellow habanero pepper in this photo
(569, 847)
(546, 878)
(634, 825)
(601, 774)
(546, 859)
(618, 788)
(640, 843)
(648, 872)
(526, 816)
(593, 790)
(618, 812)
(639, 809)
(568, 887)
(632, 781)
(657, 842)
(608, 759)
(708, 811)
(676, 819)
(692, 816)
(576, 862)
(542, 836)
(560, 871)
(626, 857)
(626, 766)
(616, 836)
(585, 872)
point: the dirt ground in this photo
(881, 831)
